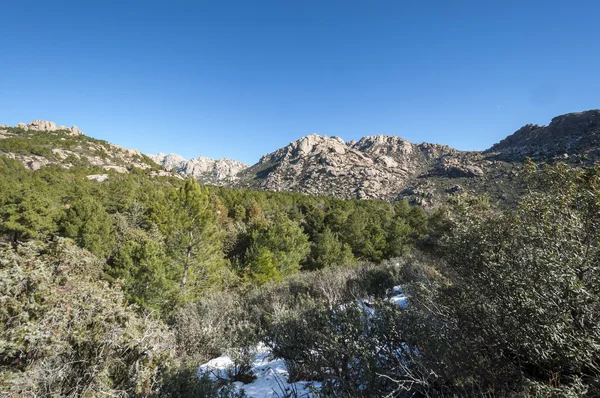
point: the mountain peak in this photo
(204, 169)
(568, 133)
(43, 125)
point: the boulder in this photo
(97, 177)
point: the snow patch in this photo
(272, 373)
(271, 376)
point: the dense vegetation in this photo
(161, 244)
(123, 287)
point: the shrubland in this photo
(124, 287)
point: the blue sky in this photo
(239, 79)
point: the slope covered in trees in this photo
(123, 287)
(131, 252)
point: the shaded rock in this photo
(569, 133)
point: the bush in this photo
(217, 322)
(520, 313)
(66, 335)
(186, 383)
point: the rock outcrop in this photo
(97, 177)
(206, 170)
(42, 125)
(66, 150)
(573, 133)
(389, 167)
(374, 167)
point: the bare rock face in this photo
(454, 167)
(206, 170)
(169, 162)
(42, 125)
(569, 133)
(374, 167)
(389, 167)
(117, 169)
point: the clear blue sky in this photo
(241, 78)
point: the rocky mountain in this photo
(206, 170)
(573, 133)
(375, 167)
(389, 167)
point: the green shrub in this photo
(520, 312)
(66, 335)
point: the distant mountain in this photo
(389, 167)
(573, 133)
(206, 170)
(375, 167)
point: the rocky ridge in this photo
(68, 147)
(43, 125)
(572, 133)
(389, 167)
(210, 171)
(375, 167)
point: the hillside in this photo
(164, 287)
(571, 134)
(40, 143)
(389, 167)
(375, 167)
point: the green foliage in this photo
(219, 265)
(327, 250)
(262, 266)
(520, 312)
(141, 263)
(32, 214)
(89, 224)
(287, 245)
(192, 237)
(67, 335)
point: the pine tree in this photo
(31, 215)
(285, 239)
(192, 236)
(262, 267)
(327, 250)
(90, 225)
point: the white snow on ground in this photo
(271, 376)
(399, 297)
(271, 373)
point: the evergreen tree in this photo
(31, 215)
(192, 236)
(90, 225)
(262, 267)
(328, 251)
(285, 239)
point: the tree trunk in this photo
(186, 266)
